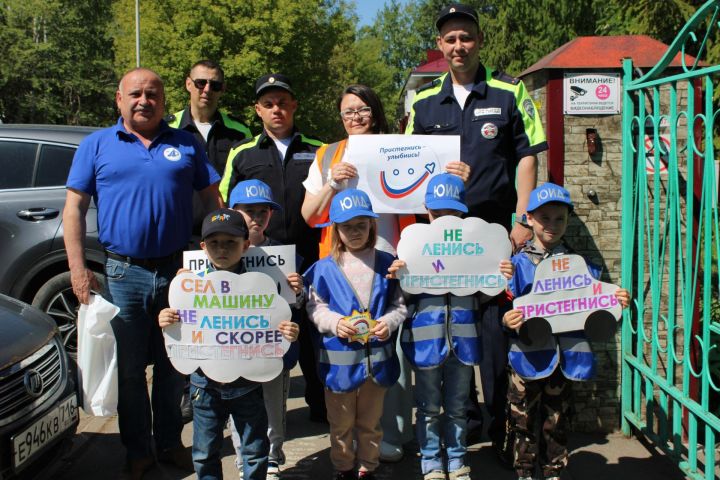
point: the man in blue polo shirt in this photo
(500, 136)
(141, 175)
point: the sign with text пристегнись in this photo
(276, 261)
(451, 254)
(565, 294)
(228, 326)
(394, 170)
(591, 93)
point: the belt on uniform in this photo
(145, 262)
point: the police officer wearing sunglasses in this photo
(213, 128)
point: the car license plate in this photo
(32, 439)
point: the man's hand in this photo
(519, 235)
(83, 281)
(460, 169)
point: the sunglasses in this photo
(215, 85)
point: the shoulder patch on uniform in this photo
(504, 77)
(432, 84)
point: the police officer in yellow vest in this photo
(217, 131)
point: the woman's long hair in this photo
(368, 95)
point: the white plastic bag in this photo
(97, 357)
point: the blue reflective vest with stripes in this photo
(439, 326)
(570, 350)
(343, 366)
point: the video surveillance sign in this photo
(591, 93)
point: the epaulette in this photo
(504, 77)
(432, 84)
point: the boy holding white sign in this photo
(225, 240)
(443, 351)
(539, 391)
(253, 199)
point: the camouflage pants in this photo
(538, 412)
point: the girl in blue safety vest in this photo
(441, 340)
(355, 310)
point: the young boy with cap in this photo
(225, 240)
(253, 199)
(539, 391)
(443, 351)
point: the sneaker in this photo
(347, 475)
(462, 473)
(390, 453)
(434, 475)
(273, 471)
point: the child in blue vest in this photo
(350, 281)
(225, 240)
(253, 199)
(443, 351)
(541, 375)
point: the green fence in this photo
(671, 252)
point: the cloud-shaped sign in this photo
(565, 297)
(451, 254)
(228, 326)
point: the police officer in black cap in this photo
(281, 157)
(500, 136)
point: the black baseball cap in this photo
(456, 10)
(224, 220)
(272, 80)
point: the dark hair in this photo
(210, 65)
(371, 99)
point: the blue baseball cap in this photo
(348, 204)
(549, 193)
(445, 191)
(252, 191)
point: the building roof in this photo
(607, 52)
(435, 63)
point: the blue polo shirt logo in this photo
(172, 154)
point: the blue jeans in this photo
(210, 414)
(446, 386)
(141, 293)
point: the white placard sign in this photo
(276, 261)
(394, 170)
(564, 293)
(228, 326)
(591, 93)
(451, 254)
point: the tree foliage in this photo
(57, 62)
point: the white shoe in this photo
(273, 471)
(390, 453)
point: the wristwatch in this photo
(523, 221)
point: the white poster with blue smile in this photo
(394, 170)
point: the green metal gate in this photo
(671, 253)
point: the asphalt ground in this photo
(98, 454)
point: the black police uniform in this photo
(226, 132)
(498, 126)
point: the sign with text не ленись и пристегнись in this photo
(228, 326)
(591, 93)
(452, 254)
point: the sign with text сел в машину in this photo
(451, 254)
(394, 170)
(228, 326)
(276, 261)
